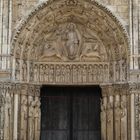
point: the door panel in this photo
(86, 116)
(70, 113)
(54, 115)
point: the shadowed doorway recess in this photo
(70, 113)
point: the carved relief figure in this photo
(92, 49)
(34, 52)
(79, 72)
(31, 126)
(26, 49)
(106, 73)
(52, 46)
(74, 74)
(100, 71)
(63, 73)
(123, 117)
(111, 72)
(2, 102)
(18, 51)
(84, 74)
(24, 71)
(17, 70)
(91, 52)
(103, 120)
(35, 73)
(96, 73)
(51, 74)
(37, 115)
(49, 51)
(72, 41)
(7, 122)
(117, 67)
(90, 73)
(31, 72)
(124, 70)
(117, 120)
(58, 73)
(24, 116)
(110, 121)
(41, 73)
(68, 74)
(46, 73)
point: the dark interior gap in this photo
(78, 100)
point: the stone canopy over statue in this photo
(71, 42)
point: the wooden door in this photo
(70, 113)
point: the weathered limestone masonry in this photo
(101, 53)
(134, 35)
(7, 97)
(40, 64)
(20, 111)
(29, 112)
(21, 9)
(115, 112)
(5, 34)
(135, 109)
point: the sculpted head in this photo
(30, 100)
(71, 26)
(47, 66)
(68, 66)
(24, 100)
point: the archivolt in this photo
(91, 14)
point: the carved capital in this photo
(24, 89)
(31, 90)
(16, 88)
(107, 90)
(104, 90)
(133, 88)
(117, 89)
(37, 90)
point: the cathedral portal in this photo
(69, 43)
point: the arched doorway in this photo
(70, 113)
(72, 43)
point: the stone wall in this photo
(21, 9)
(120, 8)
(135, 110)
(19, 111)
(20, 102)
(5, 34)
